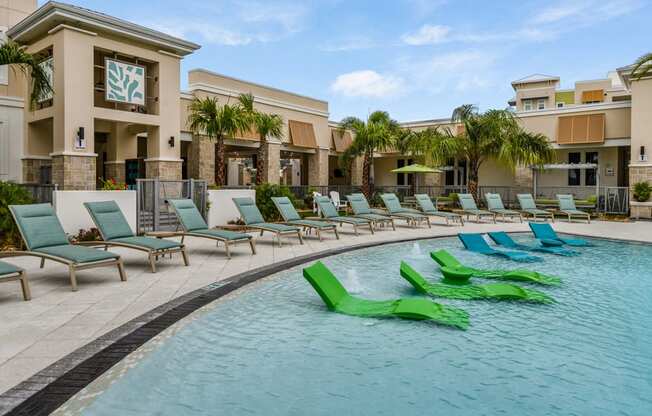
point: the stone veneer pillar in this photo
(356, 171)
(639, 174)
(163, 169)
(32, 169)
(201, 163)
(523, 177)
(74, 172)
(272, 151)
(115, 170)
(318, 168)
(431, 179)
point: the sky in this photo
(416, 59)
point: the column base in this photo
(163, 169)
(74, 172)
(32, 169)
(115, 170)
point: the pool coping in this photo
(50, 388)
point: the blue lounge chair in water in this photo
(548, 237)
(477, 244)
(503, 239)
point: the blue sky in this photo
(417, 59)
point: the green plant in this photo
(86, 235)
(264, 194)
(308, 199)
(12, 53)
(642, 191)
(376, 200)
(112, 185)
(642, 67)
(592, 199)
(11, 194)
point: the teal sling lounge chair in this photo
(44, 237)
(567, 207)
(194, 226)
(254, 219)
(428, 208)
(548, 237)
(529, 207)
(361, 209)
(413, 217)
(503, 239)
(469, 207)
(477, 244)
(495, 205)
(11, 273)
(337, 299)
(330, 214)
(116, 232)
(292, 217)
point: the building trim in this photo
(163, 159)
(114, 162)
(75, 29)
(615, 142)
(575, 109)
(427, 123)
(15, 102)
(69, 153)
(35, 157)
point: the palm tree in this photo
(495, 134)
(378, 133)
(217, 122)
(642, 67)
(12, 53)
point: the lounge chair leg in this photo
(355, 229)
(371, 228)
(261, 233)
(319, 235)
(152, 262)
(24, 285)
(185, 256)
(121, 271)
(42, 262)
(73, 278)
(428, 221)
(182, 237)
(301, 237)
(393, 225)
(337, 235)
(278, 235)
(227, 249)
(252, 243)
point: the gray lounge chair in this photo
(412, 216)
(469, 207)
(11, 273)
(194, 226)
(44, 237)
(292, 217)
(361, 209)
(529, 207)
(495, 205)
(116, 232)
(428, 208)
(254, 219)
(567, 207)
(330, 214)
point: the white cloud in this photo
(367, 83)
(349, 44)
(585, 12)
(427, 35)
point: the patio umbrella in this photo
(416, 168)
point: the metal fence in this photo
(40, 193)
(153, 211)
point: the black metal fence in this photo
(153, 211)
(40, 193)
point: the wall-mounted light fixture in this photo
(642, 157)
(80, 140)
(171, 141)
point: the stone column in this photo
(639, 174)
(201, 160)
(431, 179)
(318, 168)
(356, 171)
(73, 172)
(523, 177)
(32, 169)
(115, 170)
(272, 156)
(163, 169)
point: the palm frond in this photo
(12, 53)
(642, 66)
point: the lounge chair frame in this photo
(374, 215)
(413, 217)
(278, 233)
(21, 276)
(574, 212)
(439, 214)
(340, 220)
(535, 211)
(502, 212)
(305, 226)
(478, 213)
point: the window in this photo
(560, 105)
(590, 177)
(574, 174)
(402, 178)
(541, 104)
(527, 105)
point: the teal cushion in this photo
(248, 210)
(6, 268)
(39, 225)
(425, 203)
(149, 242)
(467, 202)
(494, 201)
(78, 254)
(392, 203)
(188, 214)
(286, 208)
(326, 207)
(277, 227)
(223, 234)
(109, 219)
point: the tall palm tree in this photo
(378, 133)
(642, 67)
(495, 134)
(218, 122)
(12, 53)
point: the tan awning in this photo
(586, 128)
(592, 96)
(302, 134)
(250, 134)
(341, 142)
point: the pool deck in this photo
(57, 321)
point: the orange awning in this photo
(302, 134)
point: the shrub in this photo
(11, 194)
(112, 185)
(264, 194)
(642, 191)
(87, 235)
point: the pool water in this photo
(274, 349)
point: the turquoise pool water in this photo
(274, 349)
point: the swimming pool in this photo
(272, 348)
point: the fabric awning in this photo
(341, 142)
(415, 168)
(302, 134)
(250, 134)
(592, 96)
(568, 166)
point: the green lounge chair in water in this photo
(495, 205)
(428, 208)
(292, 217)
(361, 209)
(116, 232)
(476, 243)
(503, 239)
(465, 291)
(567, 207)
(331, 214)
(412, 216)
(548, 237)
(193, 225)
(447, 260)
(469, 207)
(10, 273)
(44, 237)
(529, 207)
(339, 300)
(254, 219)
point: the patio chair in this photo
(337, 201)
(477, 244)
(292, 217)
(11, 273)
(116, 232)
(330, 214)
(194, 226)
(469, 207)
(505, 240)
(529, 207)
(254, 219)
(361, 209)
(495, 205)
(413, 217)
(44, 237)
(548, 237)
(428, 208)
(567, 207)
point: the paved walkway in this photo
(57, 321)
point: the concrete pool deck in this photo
(57, 321)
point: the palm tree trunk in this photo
(261, 161)
(366, 177)
(474, 169)
(220, 167)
